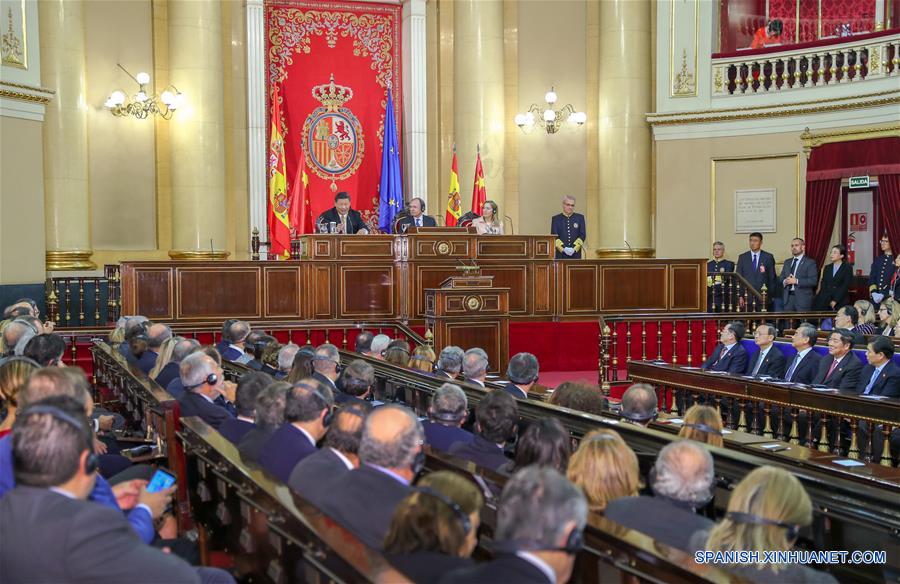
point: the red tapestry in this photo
(333, 63)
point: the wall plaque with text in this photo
(754, 210)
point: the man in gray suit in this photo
(799, 276)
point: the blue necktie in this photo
(871, 382)
(755, 262)
(793, 367)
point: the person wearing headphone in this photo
(416, 216)
(639, 404)
(496, 420)
(203, 382)
(682, 481)
(307, 415)
(327, 365)
(522, 373)
(766, 512)
(446, 415)
(539, 532)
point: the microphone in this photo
(631, 251)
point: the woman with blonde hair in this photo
(489, 222)
(397, 353)
(605, 468)
(765, 513)
(866, 311)
(165, 355)
(435, 528)
(889, 318)
(703, 424)
(14, 374)
(422, 359)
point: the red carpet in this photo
(554, 378)
(559, 346)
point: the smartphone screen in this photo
(161, 480)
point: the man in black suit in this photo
(416, 216)
(312, 477)
(770, 360)
(640, 404)
(522, 372)
(449, 362)
(805, 364)
(203, 383)
(170, 370)
(355, 384)
(841, 370)
(539, 525)
(390, 456)
(55, 470)
(495, 422)
(475, 366)
(682, 482)
(307, 413)
(326, 364)
(799, 277)
(268, 417)
(729, 355)
(879, 377)
(848, 317)
(446, 415)
(156, 336)
(758, 266)
(346, 220)
(248, 389)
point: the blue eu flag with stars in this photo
(391, 186)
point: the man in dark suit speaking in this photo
(345, 219)
(416, 216)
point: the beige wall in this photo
(21, 202)
(684, 226)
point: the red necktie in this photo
(834, 365)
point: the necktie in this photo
(793, 367)
(344, 224)
(871, 382)
(759, 363)
(794, 271)
(831, 369)
(418, 221)
(721, 355)
(755, 262)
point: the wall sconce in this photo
(143, 105)
(549, 118)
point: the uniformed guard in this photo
(715, 281)
(881, 272)
(719, 265)
(569, 229)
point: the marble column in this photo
(256, 114)
(67, 221)
(624, 228)
(478, 98)
(415, 119)
(197, 130)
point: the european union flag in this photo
(391, 186)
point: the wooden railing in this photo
(730, 292)
(75, 301)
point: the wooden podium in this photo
(468, 311)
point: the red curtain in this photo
(843, 159)
(889, 198)
(821, 208)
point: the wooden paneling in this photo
(282, 292)
(209, 292)
(366, 291)
(493, 247)
(580, 287)
(516, 279)
(321, 290)
(632, 288)
(153, 294)
(542, 289)
(686, 294)
(477, 333)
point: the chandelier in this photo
(143, 105)
(549, 118)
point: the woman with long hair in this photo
(14, 374)
(889, 318)
(545, 442)
(164, 356)
(703, 424)
(489, 222)
(422, 359)
(605, 468)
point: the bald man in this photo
(156, 336)
(390, 453)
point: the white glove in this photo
(877, 297)
(569, 251)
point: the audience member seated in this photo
(135, 326)
(223, 342)
(640, 404)
(475, 366)
(769, 361)
(880, 376)
(703, 424)
(580, 396)
(203, 383)
(12, 333)
(605, 468)
(171, 371)
(496, 418)
(236, 337)
(303, 365)
(286, 360)
(397, 352)
(307, 413)
(269, 359)
(682, 481)
(847, 317)
(256, 346)
(446, 415)
(157, 334)
(55, 470)
(729, 355)
(14, 374)
(164, 357)
(522, 373)
(539, 532)
(390, 456)
(356, 383)
(422, 359)
(805, 364)
(46, 350)
(363, 343)
(435, 529)
(867, 316)
(326, 363)
(379, 345)
(338, 456)
(544, 442)
(889, 318)
(268, 417)
(841, 369)
(248, 388)
(449, 363)
(489, 221)
(765, 512)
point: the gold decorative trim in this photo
(75, 259)
(684, 84)
(37, 88)
(24, 96)
(624, 253)
(813, 139)
(198, 255)
(14, 52)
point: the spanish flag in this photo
(279, 224)
(454, 208)
(300, 211)
(479, 192)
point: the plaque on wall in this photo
(754, 210)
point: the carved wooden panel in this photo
(490, 247)
(634, 288)
(442, 247)
(542, 289)
(365, 247)
(210, 292)
(282, 292)
(543, 248)
(153, 293)
(514, 277)
(321, 291)
(366, 291)
(686, 293)
(488, 335)
(580, 284)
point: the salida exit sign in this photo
(859, 182)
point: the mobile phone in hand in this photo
(161, 481)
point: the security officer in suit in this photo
(416, 216)
(569, 229)
(799, 276)
(758, 266)
(881, 272)
(346, 220)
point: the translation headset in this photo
(329, 415)
(574, 544)
(703, 428)
(448, 416)
(93, 462)
(337, 364)
(21, 359)
(639, 418)
(793, 531)
(461, 515)
(211, 379)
